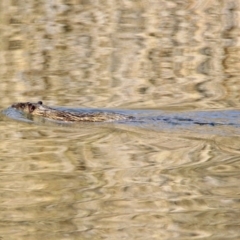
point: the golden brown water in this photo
(119, 181)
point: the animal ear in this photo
(40, 102)
(31, 108)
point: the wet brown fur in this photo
(38, 109)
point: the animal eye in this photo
(31, 108)
(40, 102)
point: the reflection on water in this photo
(121, 53)
(116, 181)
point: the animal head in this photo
(27, 106)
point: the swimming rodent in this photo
(38, 109)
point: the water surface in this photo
(141, 180)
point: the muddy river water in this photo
(173, 173)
